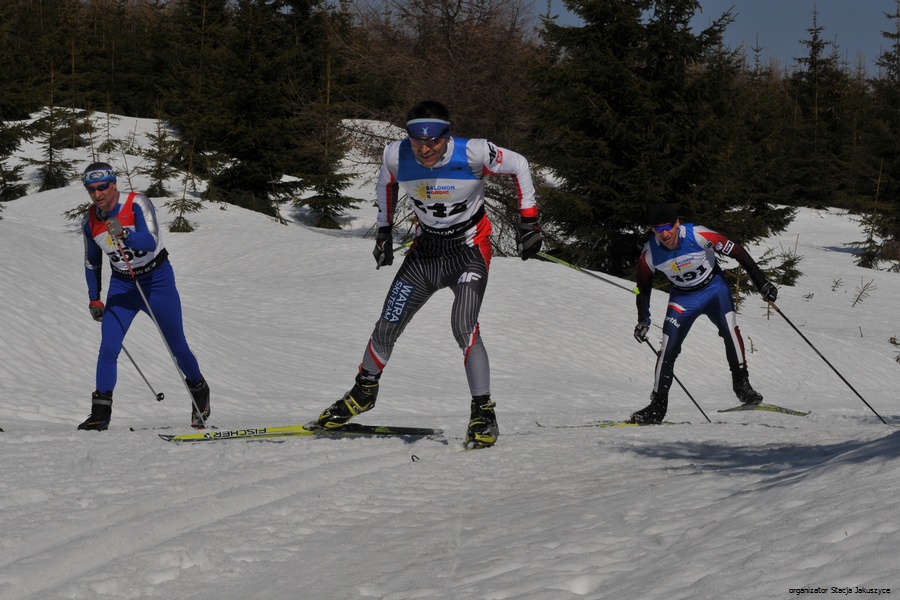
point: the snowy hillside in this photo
(752, 505)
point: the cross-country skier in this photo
(444, 178)
(128, 219)
(686, 255)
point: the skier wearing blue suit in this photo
(123, 226)
(686, 255)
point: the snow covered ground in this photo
(752, 505)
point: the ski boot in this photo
(743, 390)
(483, 430)
(359, 399)
(200, 394)
(653, 413)
(101, 411)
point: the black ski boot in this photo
(200, 394)
(483, 430)
(359, 399)
(653, 413)
(101, 411)
(743, 390)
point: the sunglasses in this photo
(661, 228)
(100, 188)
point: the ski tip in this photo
(767, 408)
(633, 424)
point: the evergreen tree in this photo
(327, 201)
(191, 96)
(162, 154)
(747, 171)
(247, 101)
(884, 210)
(19, 98)
(816, 140)
(11, 183)
(184, 206)
(636, 109)
(53, 129)
(107, 143)
(37, 44)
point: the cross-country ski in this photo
(308, 430)
(767, 408)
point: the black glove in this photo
(384, 247)
(96, 308)
(115, 229)
(528, 238)
(640, 331)
(769, 291)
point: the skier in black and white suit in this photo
(444, 178)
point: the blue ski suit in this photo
(145, 262)
(697, 288)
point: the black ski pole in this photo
(778, 310)
(656, 352)
(159, 329)
(160, 396)
(559, 261)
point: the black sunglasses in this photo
(100, 188)
(661, 228)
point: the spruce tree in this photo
(248, 90)
(327, 201)
(53, 130)
(20, 97)
(163, 150)
(12, 185)
(637, 109)
(811, 174)
(185, 205)
(884, 209)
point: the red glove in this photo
(96, 308)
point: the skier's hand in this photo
(115, 229)
(768, 291)
(528, 238)
(384, 247)
(641, 330)
(96, 308)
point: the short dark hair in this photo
(428, 109)
(662, 213)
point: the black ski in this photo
(308, 430)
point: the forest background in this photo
(257, 99)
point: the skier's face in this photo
(667, 234)
(429, 151)
(103, 195)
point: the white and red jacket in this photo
(448, 198)
(691, 265)
(143, 245)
